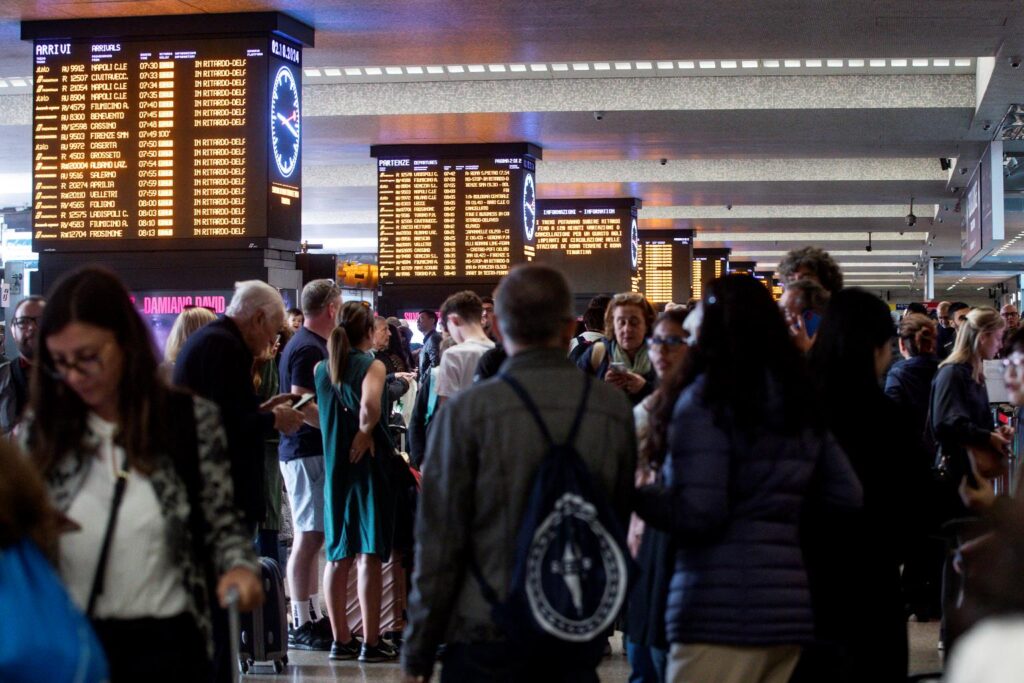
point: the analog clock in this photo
(285, 121)
(529, 207)
(634, 244)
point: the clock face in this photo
(529, 208)
(285, 121)
(634, 244)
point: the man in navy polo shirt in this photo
(302, 465)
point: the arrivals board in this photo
(708, 264)
(145, 143)
(594, 242)
(464, 213)
(664, 265)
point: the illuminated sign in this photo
(664, 262)
(708, 264)
(459, 212)
(141, 143)
(591, 241)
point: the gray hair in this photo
(251, 296)
(318, 295)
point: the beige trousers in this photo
(701, 663)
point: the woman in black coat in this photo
(853, 560)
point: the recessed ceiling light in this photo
(666, 65)
(749, 63)
(686, 65)
(393, 70)
(812, 63)
(435, 69)
(644, 65)
(456, 69)
(314, 73)
(3, 83)
(877, 63)
(791, 63)
(559, 67)
(538, 67)
(496, 68)
(518, 68)
(623, 66)
(476, 68)
(707, 64)
(374, 71)
(919, 62)
(940, 62)
(962, 62)
(899, 63)
(771, 63)
(729, 64)
(414, 70)
(602, 66)
(334, 72)
(834, 63)
(581, 66)
(855, 63)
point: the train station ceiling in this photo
(761, 125)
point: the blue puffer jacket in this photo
(733, 509)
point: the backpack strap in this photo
(531, 408)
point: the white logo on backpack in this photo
(573, 568)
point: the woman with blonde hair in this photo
(960, 416)
(358, 509)
(185, 325)
(621, 358)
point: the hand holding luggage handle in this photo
(235, 631)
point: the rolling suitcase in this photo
(264, 631)
(392, 600)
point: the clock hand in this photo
(287, 123)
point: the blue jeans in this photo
(648, 663)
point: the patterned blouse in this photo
(225, 540)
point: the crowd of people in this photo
(750, 490)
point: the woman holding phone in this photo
(141, 478)
(621, 358)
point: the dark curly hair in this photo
(816, 260)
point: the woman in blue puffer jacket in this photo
(746, 451)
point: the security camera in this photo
(963, 169)
(663, 161)
(728, 207)
(911, 219)
(1015, 62)
(954, 190)
(599, 116)
(867, 248)
(987, 125)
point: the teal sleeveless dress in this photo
(358, 502)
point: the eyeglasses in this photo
(87, 364)
(1011, 314)
(672, 341)
(26, 321)
(1016, 361)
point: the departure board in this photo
(664, 265)
(594, 242)
(463, 213)
(708, 264)
(143, 143)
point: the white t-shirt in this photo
(588, 335)
(142, 579)
(991, 652)
(458, 366)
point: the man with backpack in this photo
(593, 321)
(521, 566)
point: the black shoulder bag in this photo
(108, 537)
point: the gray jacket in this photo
(482, 452)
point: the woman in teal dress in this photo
(358, 502)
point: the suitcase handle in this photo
(235, 630)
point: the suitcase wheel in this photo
(278, 666)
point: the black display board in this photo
(454, 214)
(664, 262)
(594, 242)
(167, 132)
(708, 264)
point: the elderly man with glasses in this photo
(15, 374)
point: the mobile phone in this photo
(618, 367)
(303, 401)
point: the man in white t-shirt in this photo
(462, 314)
